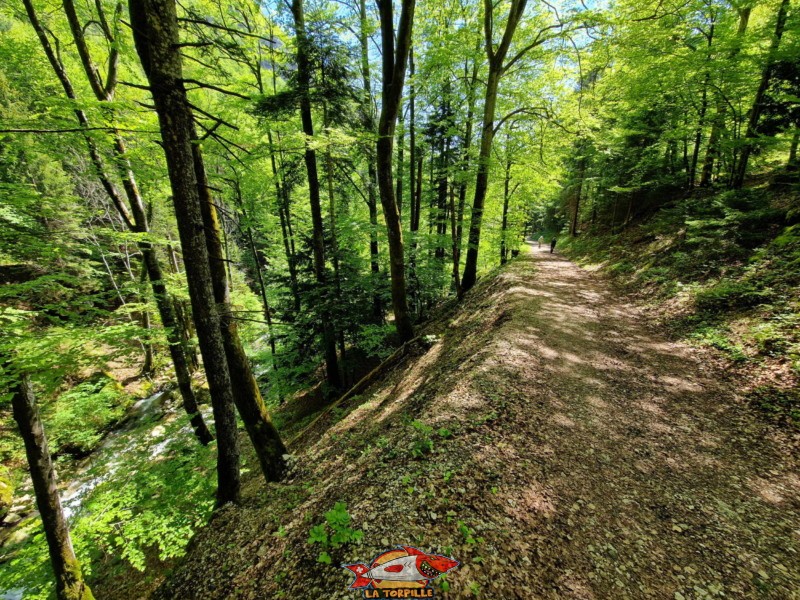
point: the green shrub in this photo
(622, 267)
(422, 442)
(730, 295)
(770, 338)
(334, 532)
(683, 263)
(716, 338)
(376, 340)
(80, 417)
(657, 275)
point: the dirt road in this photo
(646, 478)
(551, 442)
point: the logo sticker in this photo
(404, 572)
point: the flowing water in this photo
(104, 463)
(150, 427)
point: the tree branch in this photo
(215, 88)
(212, 117)
(226, 29)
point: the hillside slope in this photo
(547, 439)
(719, 268)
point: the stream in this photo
(150, 427)
(104, 463)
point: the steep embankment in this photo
(547, 439)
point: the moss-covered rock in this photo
(6, 492)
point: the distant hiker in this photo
(552, 245)
(541, 240)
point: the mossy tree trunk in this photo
(265, 437)
(69, 579)
(155, 30)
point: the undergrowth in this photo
(722, 271)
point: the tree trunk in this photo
(282, 201)
(148, 366)
(394, 68)
(454, 239)
(698, 136)
(573, 230)
(465, 162)
(304, 82)
(262, 287)
(496, 59)
(712, 152)
(155, 29)
(792, 164)
(266, 440)
(372, 200)
(401, 134)
(413, 181)
(412, 138)
(69, 579)
(481, 181)
(504, 223)
(416, 202)
(755, 112)
(701, 121)
(337, 283)
(441, 204)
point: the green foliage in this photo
(79, 417)
(334, 532)
(719, 339)
(469, 534)
(143, 508)
(730, 295)
(375, 340)
(422, 442)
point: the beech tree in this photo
(499, 64)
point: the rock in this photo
(12, 519)
(6, 492)
(19, 535)
(202, 395)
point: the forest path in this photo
(646, 475)
(548, 439)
